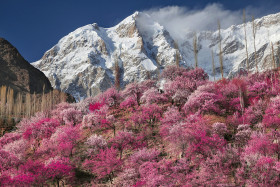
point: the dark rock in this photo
(18, 74)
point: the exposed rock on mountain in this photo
(82, 63)
(21, 76)
(17, 73)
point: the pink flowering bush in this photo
(271, 117)
(258, 170)
(95, 143)
(183, 130)
(123, 140)
(17, 148)
(171, 72)
(104, 164)
(259, 144)
(219, 129)
(57, 170)
(9, 137)
(65, 139)
(243, 134)
(254, 113)
(111, 97)
(171, 117)
(146, 117)
(128, 103)
(58, 110)
(153, 96)
(128, 177)
(180, 89)
(197, 75)
(8, 160)
(143, 155)
(71, 116)
(41, 129)
(135, 91)
(203, 103)
(95, 107)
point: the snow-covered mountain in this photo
(82, 63)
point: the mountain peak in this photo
(82, 63)
(136, 14)
(130, 19)
(95, 26)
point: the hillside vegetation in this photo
(186, 131)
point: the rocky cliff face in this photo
(18, 74)
(21, 76)
(82, 63)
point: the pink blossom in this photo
(153, 96)
(128, 102)
(220, 128)
(104, 164)
(71, 116)
(95, 143)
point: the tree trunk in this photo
(246, 47)
(221, 52)
(254, 36)
(213, 66)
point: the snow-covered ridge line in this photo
(82, 63)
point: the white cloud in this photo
(178, 20)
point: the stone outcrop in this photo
(18, 74)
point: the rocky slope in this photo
(82, 63)
(21, 76)
(17, 73)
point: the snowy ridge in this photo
(82, 63)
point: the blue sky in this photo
(34, 26)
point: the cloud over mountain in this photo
(179, 20)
